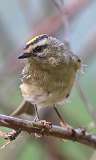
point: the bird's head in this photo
(43, 48)
(46, 49)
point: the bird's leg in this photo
(37, 114)
(62, 121)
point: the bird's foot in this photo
(44, 125)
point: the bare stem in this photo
(79, 135)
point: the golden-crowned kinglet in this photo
(49, 72)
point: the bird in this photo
(49, 72)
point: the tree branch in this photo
(79, 135)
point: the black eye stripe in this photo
(39, 48)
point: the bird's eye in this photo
(79, 60)
(39, 49)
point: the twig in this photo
(24, 107)
(85, 100)
(79, 135)
(54, 22)
(60, 7)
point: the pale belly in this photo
(42, 98)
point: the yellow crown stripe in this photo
(32, 40)
(36, 39)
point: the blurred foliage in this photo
(19, 20)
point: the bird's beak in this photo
(24, 55)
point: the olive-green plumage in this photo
(49, 72)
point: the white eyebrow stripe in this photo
(40, 43)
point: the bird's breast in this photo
(46, 88)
